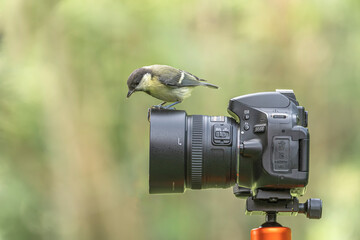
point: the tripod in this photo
(272, 202)
(271, 230)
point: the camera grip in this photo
(304, 154)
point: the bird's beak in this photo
(130, 92)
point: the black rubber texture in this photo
(197, 152)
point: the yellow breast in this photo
(160, 91)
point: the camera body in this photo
(263, 152)
(273, 140)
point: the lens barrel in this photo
(194, 152)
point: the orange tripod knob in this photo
(271, 233)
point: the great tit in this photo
(165, 83)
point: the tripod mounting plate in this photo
(283, 203)
(261, 207)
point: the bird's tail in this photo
(209, 85)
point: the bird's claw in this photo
(169, 108)
(160, 107)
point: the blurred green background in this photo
(74, 150)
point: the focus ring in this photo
(196, 152)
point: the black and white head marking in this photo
(136, 77)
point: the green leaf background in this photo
(74, 150)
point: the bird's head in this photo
(136, 80)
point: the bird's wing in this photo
(173, 77)
(198, 79)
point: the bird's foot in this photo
(159, 106)
(162, 107)
(169, 108)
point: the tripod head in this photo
(276, 201)
(271, 202)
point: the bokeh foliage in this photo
(74, 151)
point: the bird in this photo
(164, 82)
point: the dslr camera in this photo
(262, 150)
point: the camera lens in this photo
(194, 152)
